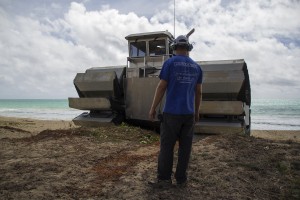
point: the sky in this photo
(44, 43)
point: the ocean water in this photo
(266, 114)
(275, 114)
(44, 109)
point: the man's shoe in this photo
(181, 184)
(161, 184)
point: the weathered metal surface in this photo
(149, 35)
(139, 96)
(89, 103)
(95, 84)
(119, 70)
(222, 107)
(222, 78)
(222, 65)
(86, 120)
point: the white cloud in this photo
(40, 56)
(38, 63)
(250, 30)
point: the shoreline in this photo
(14, 127)
(34, 126)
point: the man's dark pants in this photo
(173, 128)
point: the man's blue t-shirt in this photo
(182, 75)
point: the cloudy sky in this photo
(44, 43)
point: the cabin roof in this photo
(149, 35)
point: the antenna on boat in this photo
(174, 18)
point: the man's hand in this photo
(196, 117)
(152, 114)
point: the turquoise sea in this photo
(266, 114)
(54, 109)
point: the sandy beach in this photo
(56, 160)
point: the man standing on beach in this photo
(181, 79)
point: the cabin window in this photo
(138, 49)
(157, 47)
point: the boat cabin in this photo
(147, 52)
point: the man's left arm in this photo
(198, 99)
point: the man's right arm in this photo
(159, 93)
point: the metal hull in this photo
(111, 95)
